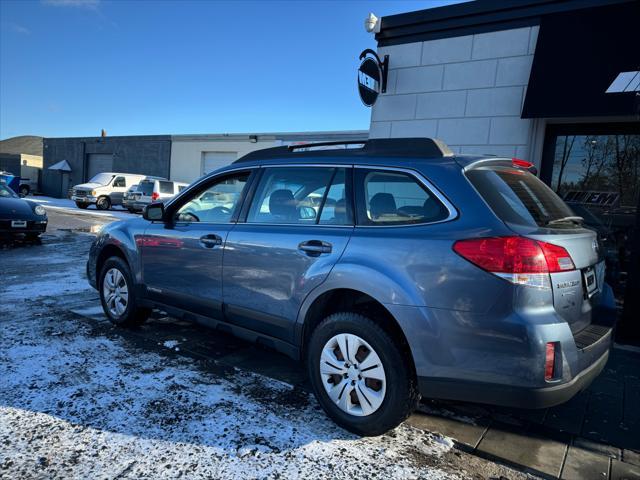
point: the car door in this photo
(182, 257)
(294, 230)
(118, 188)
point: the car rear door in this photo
(532, 209)
(294, 231)
(182, 258)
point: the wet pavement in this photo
(595, 435)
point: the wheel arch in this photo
(343, 299)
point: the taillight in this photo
(550, 361)
(155, 196)
(517, 259)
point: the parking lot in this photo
(81, 398)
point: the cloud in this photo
(90, 4)
(19, 29)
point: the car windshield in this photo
(6, 192)
(102, 178)
(521, 198)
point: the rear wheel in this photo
(117, 294)
(103, 203)
(23, 191)
(360, 375)
(82, 205)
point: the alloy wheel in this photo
(353, 375)
(115, 292)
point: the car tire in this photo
(120, 308)
(32, 237)
(23, 191)
(83, 206)
(393, 399)
(103, 203)
(131, 210)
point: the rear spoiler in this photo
(503, 162)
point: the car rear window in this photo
(145, 187)
(166, 187)
(518, 197)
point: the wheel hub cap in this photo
(115, 292)
(353, 375)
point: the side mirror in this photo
(153, 212)
(307, 213)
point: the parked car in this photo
(105, 189)
(127, 198)
(19, 216)
(420, 273)
(151, 190)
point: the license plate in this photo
(18, 223)
(590, 280)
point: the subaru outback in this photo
(392, 267)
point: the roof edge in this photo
(474, 17)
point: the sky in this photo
(74, 67)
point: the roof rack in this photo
(392, 147)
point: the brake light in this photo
(155, 196)
(550, 361)
(517, 162)
(517, 259)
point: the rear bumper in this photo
(505, 395)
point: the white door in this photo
(213, 160)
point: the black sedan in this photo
(20, 217)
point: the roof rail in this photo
(393, 147)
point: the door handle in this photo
(210, 241)
(315, 248)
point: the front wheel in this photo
(117, 295)
(360, 375)
(103, 203)
(83, 206)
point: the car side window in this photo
(119, 182)
(337, 208)
(216, 203)
(166, 187)
(290, 195)
(395, 198)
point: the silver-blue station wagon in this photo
(392, 267)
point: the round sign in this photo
(369, 81)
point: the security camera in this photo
(372, 24)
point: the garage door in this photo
(98, 163)
(214, 160)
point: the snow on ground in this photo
(67, 205)
(86, 406)
(78, 400)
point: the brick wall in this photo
(467, 90)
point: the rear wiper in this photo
(574, 219)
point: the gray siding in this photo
(147, 155)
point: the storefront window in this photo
(599, 177)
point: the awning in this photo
(62, 166)
(579, 56)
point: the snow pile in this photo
(86, 406)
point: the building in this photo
(555, 82)
(184, 158)
(195, 155)
(22, 156)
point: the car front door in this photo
(182, 257)
(293, 232)
(118, 188)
